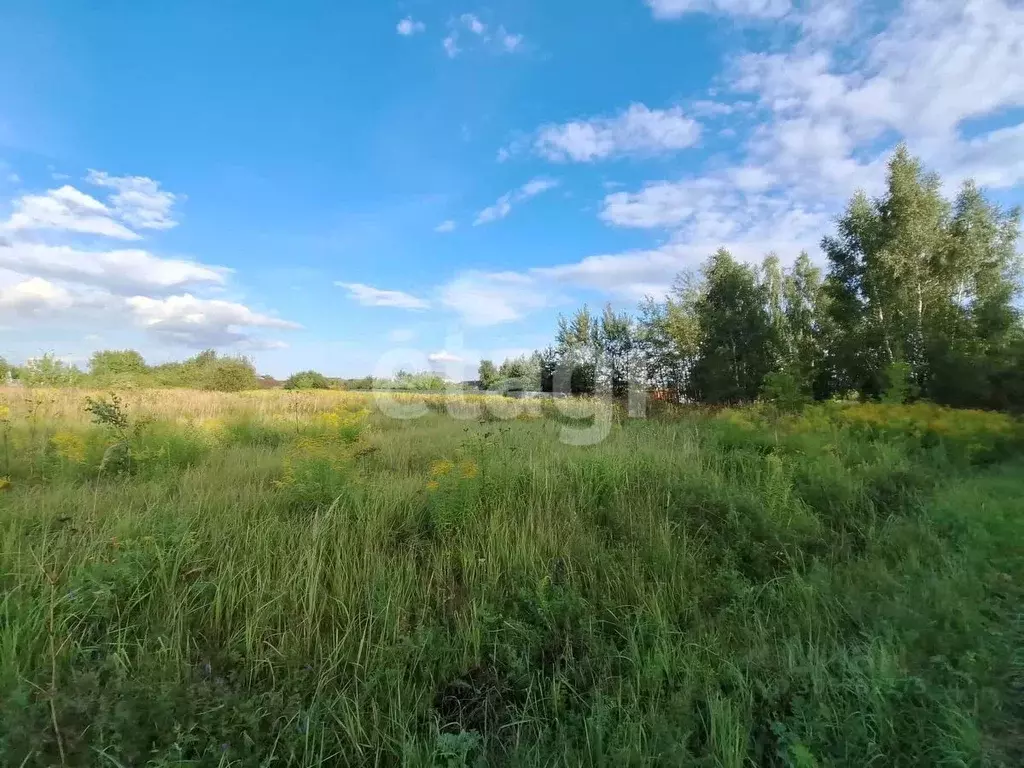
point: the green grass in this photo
(696, 591)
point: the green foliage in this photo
(322, 591)
(899, 385)
(49, 371)
(126, 363)
(413, 382)
(307, 380)
(736, 341)
(912, 279)
(229, 374)
(108, 412)
(842, 599)
(782, 389)
(488, 374)
(918, 280)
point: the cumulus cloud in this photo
(503, 206)
(119, 271)
(137, 200)
(197, 322)
(182, 319)
(34, 296)
(72, 286)
(637, 130)
(445, 226)
(66, 209)
(369, 296)
(408, 26)
(934, 66)
(830, 110)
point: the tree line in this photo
(919, 298)
(120, 368)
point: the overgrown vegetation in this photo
(917, 287)
(915, 284)
(290, 578)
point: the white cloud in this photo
(33, 296)
(137, 200)
(509, 41)
(182, 319)
(636, 131)
(499, 210)
(490, 298)
(199, 322)
(674, 9)
(631, 275)
(444, 356)
(503, 207)
(118, 271)
(469, 25)
(369, 296)
(445, 226)
(935, 65)
(535, 187)
(71, 286)
(831, 108)
(65, 209)
(993, 160)
(408, 26)
(473, 24)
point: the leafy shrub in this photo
(49, 371)
(782, 390)
(230, 374)
(307, 380)
(899, 387)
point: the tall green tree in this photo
(803, 346)
(487, 373)
(736, 343)
(577, 341)
(918, 283)
(616, 347)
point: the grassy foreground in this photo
(289, 579)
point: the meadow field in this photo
(300, 578)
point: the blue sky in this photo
(355, 186)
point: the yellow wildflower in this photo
(5, 411)
(433, 485)
(5, 483)
(441, 467)
(469, 470)
(69, 446)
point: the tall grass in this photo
(295, 580)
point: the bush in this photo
(782, 390)
(50, 371)
(307, 380)
(230, 374)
